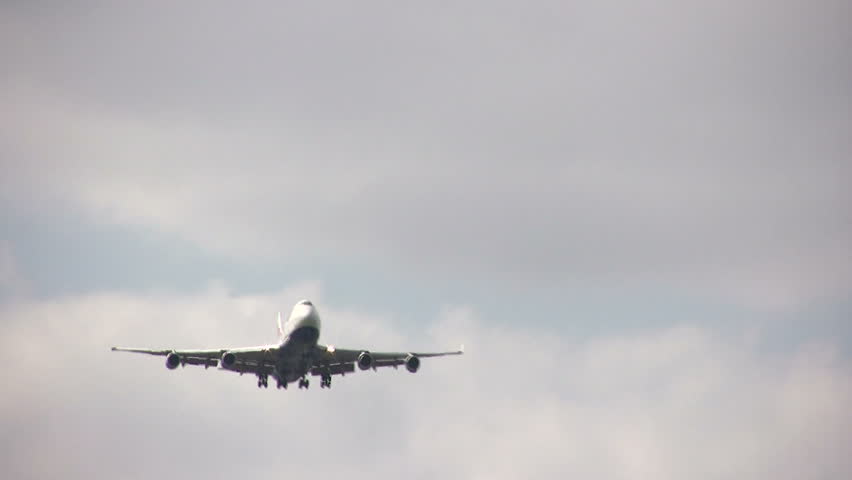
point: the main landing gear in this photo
(325, 380)
(263, 381)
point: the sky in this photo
(635, 215)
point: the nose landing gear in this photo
(325, 381)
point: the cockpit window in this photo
(307, 302)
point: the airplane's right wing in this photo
(256, 360)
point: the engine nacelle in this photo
(412, 363)
(365, 361)
(172, 361)
(228, 360)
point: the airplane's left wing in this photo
(243, 360)
(341, 361)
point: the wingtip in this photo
(461, 348)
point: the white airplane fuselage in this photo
(299, 336)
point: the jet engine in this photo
(172, 361)
(412, 363)
(365, 361)
(228, 360)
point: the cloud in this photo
(668, 403)
(553, 145)
(7, 267)
(588, 147)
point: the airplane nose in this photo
(306, 323)
(309, 317)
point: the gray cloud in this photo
(669, 403)
(13, 285)
(558, 143)
(554, 143)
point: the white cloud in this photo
(674, 403)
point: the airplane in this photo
(294, 357)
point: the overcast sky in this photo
(636, 215)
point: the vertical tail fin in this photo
(280, 328)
